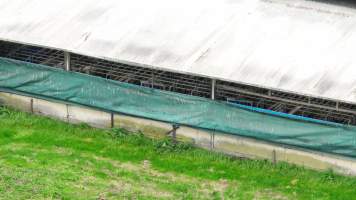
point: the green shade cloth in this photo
(51, 83)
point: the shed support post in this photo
(213, 83)
(67, 61)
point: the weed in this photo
(4, 111)
(167, 145)
(118, 133)
(329, 176)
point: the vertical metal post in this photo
(274, 157)
(212, 140)
(213, 83)
(174, 132)
(68, 116)
(67, 61)
(112, 120)
(31, 106)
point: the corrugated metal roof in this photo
(300, 46)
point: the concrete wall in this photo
(228, 144)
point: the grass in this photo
(41, 158)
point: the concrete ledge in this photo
(19, 102)
(50, 109)
(198, 137)
(220, 142)
(151, 128)
(89, 116)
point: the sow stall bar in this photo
(51, 83)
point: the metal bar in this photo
(295, 110)
(213, 83)
(67, 61)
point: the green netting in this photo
(46, 82)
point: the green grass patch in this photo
(41, 158)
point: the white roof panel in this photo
(298, 46)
